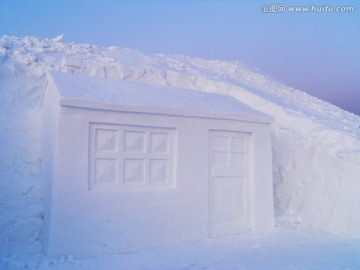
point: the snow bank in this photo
(316, 145)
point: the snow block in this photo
(132, 166)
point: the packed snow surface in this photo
(316, 160)
(84, 92)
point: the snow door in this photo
(229, 209)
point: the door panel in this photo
(229, 211)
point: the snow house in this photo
(130, 166)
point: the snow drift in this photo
(316, 146)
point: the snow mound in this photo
(316, 146)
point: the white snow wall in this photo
(316, 146)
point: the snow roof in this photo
(125, 96)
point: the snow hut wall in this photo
(92, 221)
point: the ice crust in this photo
(316, 146)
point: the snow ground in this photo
(316, 162)
(283, 248)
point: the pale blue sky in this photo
(315, 52)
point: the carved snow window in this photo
(131, 156)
